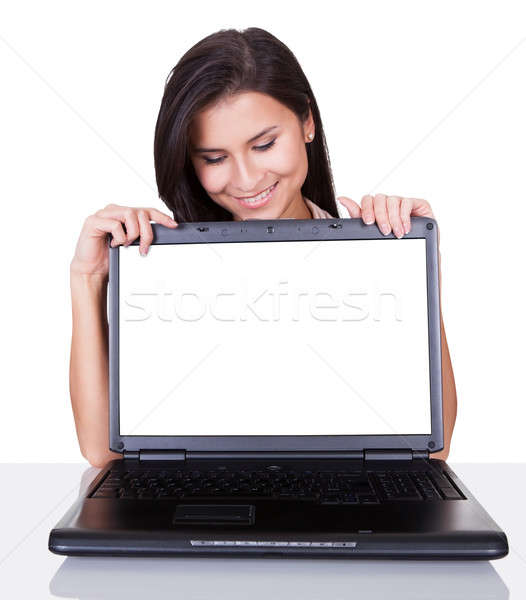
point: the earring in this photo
(310, 136)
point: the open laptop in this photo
(275, 389)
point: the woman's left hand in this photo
(390, 212)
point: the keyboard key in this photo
(368, 499)
(329, 499)
(349, 499)
(450, 493)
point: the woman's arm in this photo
(449, 392)
(89, 368)
(393, 213)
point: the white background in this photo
(417, 99)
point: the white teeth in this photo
(259, 196)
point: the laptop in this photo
(275, 390)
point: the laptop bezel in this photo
(269, 231)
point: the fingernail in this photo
(369, 222)
(385, 229)
(142, 251)
(399, 233)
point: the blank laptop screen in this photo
(274, 338)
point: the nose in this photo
(245, 177)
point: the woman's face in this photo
(248, 144)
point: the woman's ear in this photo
(309, 128)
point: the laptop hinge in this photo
(131, 454)
(274, 455)
(162, 455)
(394, 454)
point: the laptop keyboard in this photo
(321, 487)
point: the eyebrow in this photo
(252, 139)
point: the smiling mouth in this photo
(259, 199)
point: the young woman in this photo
(238, 136)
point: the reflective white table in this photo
(35, 496)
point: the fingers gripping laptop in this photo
(275, 388)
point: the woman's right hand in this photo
(92, 255)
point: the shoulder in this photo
(317, 212)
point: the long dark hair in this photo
(221, 64)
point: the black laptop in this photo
(275, 389)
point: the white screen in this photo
(275, 338)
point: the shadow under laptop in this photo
(187, 577)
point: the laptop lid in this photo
(281, 335)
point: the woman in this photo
(238, 136)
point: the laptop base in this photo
(432, 529)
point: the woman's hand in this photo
(91, 254)
(390, 212)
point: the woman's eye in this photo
(266, 146)
(214, 161)
(220, 159)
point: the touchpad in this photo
(215, 514)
